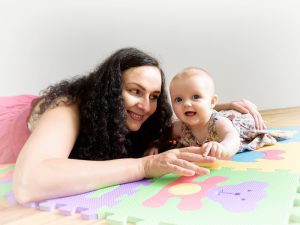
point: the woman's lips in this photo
(135, 116)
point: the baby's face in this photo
(192, 99)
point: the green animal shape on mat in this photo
(189, 192)
(239, 198)
(270, 188)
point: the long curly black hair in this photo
(103, 133)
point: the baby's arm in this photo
(229, 143)
(228, 134)
(176, 129)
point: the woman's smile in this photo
(135, 116)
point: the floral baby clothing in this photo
(250, 137)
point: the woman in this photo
(93, 131)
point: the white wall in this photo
(251, 47)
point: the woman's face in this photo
(141, 89)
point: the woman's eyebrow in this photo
(140, 86)
(143, 88)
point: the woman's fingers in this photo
(256, 121)
(178, 161)
(192, 157)
(196, 150)
(201, 154)
(239, 106)
(183, 167)
(259, 122)
(246, 106)
(183, 164)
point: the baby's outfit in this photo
(250, 137)
(14, 113)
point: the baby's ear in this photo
(214, 101)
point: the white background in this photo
(250, 47)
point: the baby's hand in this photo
(215, 149)
(151, 151)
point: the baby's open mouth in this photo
(190, 113)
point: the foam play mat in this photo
(256, 187)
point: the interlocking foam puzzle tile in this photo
(233, 195)
(224, 197)
(6, 172)
(191, 200)
(294, 217)
(89, 204)
(282, 156)
(293, 130)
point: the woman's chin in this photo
(134, 127)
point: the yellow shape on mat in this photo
(290, 161)
(185, 189)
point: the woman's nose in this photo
(144, 104)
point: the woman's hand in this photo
(245, 106)
(179, 161)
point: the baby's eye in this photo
(178, 99)
(196, 97)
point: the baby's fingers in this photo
(216, 150)
(206, 148)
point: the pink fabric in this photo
(14, 112)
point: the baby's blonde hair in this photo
(196, 71)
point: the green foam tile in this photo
(295, 216)
(169, 213)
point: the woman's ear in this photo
(214, 100)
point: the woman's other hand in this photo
(179, 161)
(245, 106)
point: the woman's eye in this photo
(178, 99)
(134, 91)
(154, 97)
(195, 97)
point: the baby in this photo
(220, 134)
